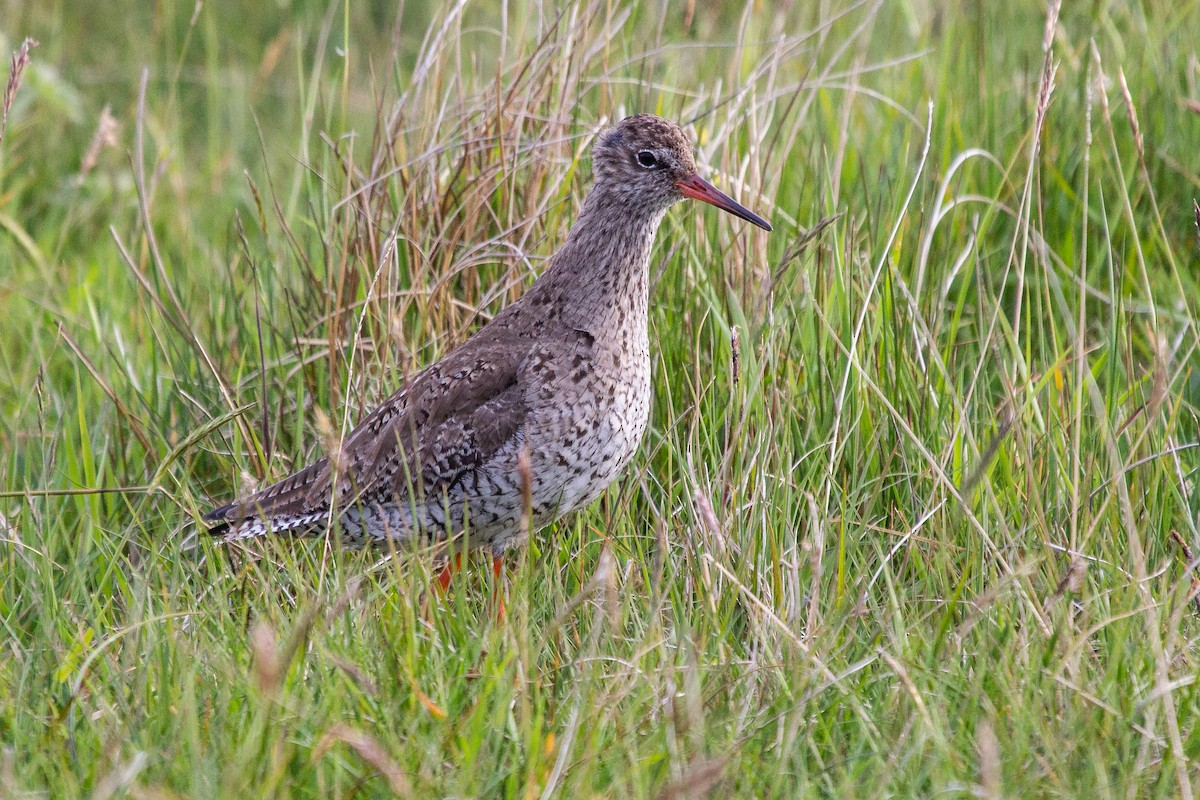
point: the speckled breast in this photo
(581, 453)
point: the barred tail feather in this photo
(228, 527)
(285, 507)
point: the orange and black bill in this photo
(700, 189)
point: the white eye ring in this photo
(646, 159)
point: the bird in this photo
(536, 413)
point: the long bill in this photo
(697, 188)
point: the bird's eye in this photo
(647, 159)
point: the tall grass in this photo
(915, 512)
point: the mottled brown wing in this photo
(448, 419)
(465, 408)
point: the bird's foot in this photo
(498, 591)
(442, 581)
(441, 584)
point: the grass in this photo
(925, 526)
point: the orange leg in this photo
(441, 583)
(447, 574)
(498, 592)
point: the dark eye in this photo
(647, 159)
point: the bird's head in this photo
(647, 160)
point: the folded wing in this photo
(446, 421)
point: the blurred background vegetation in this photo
(935, 536)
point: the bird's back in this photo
(435, 433)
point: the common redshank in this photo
(561, 377)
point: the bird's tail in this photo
(229, 524)
(295, 505)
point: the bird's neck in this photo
(600, 277)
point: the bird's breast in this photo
(581, 441)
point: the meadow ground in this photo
(915, 515)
